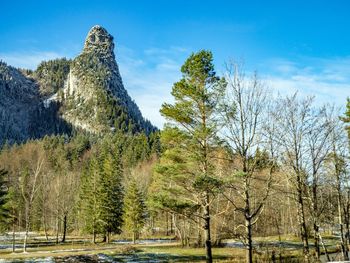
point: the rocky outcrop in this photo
(94, 94)
(86, 93)
(23, 114)
(99, 41)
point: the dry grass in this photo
(169, 251)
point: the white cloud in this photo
(28, 60)
(149, 75)
(326, 79)
(149, 79)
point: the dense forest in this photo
(233, 161)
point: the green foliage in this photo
(260, 160)
(81, 177)
(135, 212)
(346, 117)
(110, 108)
(4, 199)
(12, 206)
(207, 183)
(111, 194)
(89, 198)
(51, 75)
(102, 193)
(185, 173)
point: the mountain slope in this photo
(94, 96)
(86, 93)
(23, 114)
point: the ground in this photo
(154, 250)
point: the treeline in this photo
(59, 185)
(233, 161)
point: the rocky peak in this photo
(99, 41)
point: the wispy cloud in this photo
(326, 79)
(149, 76)
(149, 79)
(28, 59)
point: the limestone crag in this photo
(86, 93)
(94, 83)
(99, 41)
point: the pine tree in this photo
(190, 140)
(90, 199)
(111, 196)
(346, 117)
(134, 210)
(4, 212)
(12, 205)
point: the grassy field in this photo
(75, 250)
(163, 252)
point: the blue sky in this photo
(294, 45)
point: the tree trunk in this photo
(301, 218)
(108, 237)
(247, 216)
(199, 235)
(25, 240)
(64, 228)
(57, 230)
(45, 227)
(134, 237)
(317, 241)
(27, 228)
(13, 236)
(209, 257)
(315, 219)
(176, 228)
(172, 231)
(249, 246)
(343, 242)
(325, 249)
(347, 217)
(167, 223)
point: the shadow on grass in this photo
(162, 257)
(136, 257)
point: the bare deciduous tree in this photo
(318, 147)
(294, 121)
(30, 184)
(244, 112)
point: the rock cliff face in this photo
(94, 94)
(23, 114)
(86, 93)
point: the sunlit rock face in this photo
(94, 85)
(85, 93)
(99, 40)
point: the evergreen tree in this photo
(89, 198)
(134, 210)
(190, 141)
(12, 205)
(4, 212)
(346, 117)
(111, 196)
